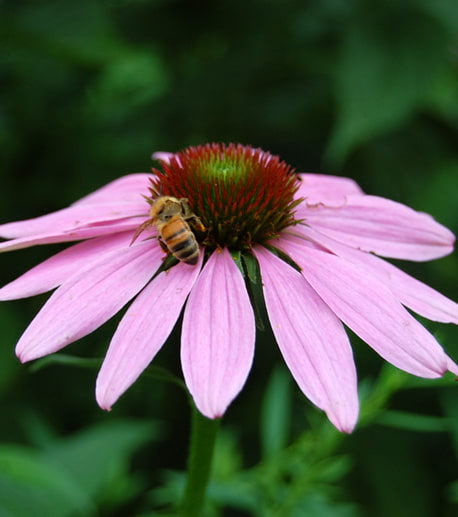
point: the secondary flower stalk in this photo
(315, 239)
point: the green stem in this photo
(203, 437)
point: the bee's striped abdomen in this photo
(180, 241)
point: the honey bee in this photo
(173, 218)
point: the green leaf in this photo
(66, 360)
(374, 398)
(162, 374)
(98, 458)
(154, 372)
(251, 267)
(31, 485)
(168, 262)
(227, 457)
(412, 421)
(380, 79)
(449, 379)
(276, 413)
(318, 505)
(71, 474)
(331, 470)
(248, 265)
(237, 258)
(281, 254)
(235, 494)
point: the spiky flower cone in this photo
(243, 196)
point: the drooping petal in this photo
(381, 226)
(369, 308)
(162, 156)
(127, 189)
(77, 234)
(218, 335)
(88, 300)
(412, 293)
(60, 267)
(312, 340)
(143, 330)
(74, 217)
(326, 190)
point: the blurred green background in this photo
(89, 90)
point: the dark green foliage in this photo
(73, 476)
(89, 90)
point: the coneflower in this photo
(311, 239)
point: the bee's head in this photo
(165, 208)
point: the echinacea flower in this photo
(315, 239)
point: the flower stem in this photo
(203, 437)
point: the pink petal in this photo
(412, 293)
(162, 156)
(381, 226)
(74, 217)
(143, 330)
(218, 335)
(369, 308)
(326, 190)
(77, 234)
(312, 340)
(127, 189)
(452, 366)
(60, 267)
(88, 300)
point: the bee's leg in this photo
(196, 223)
(163, 245)
(185, 207)
(190, 217)
(140, 230)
